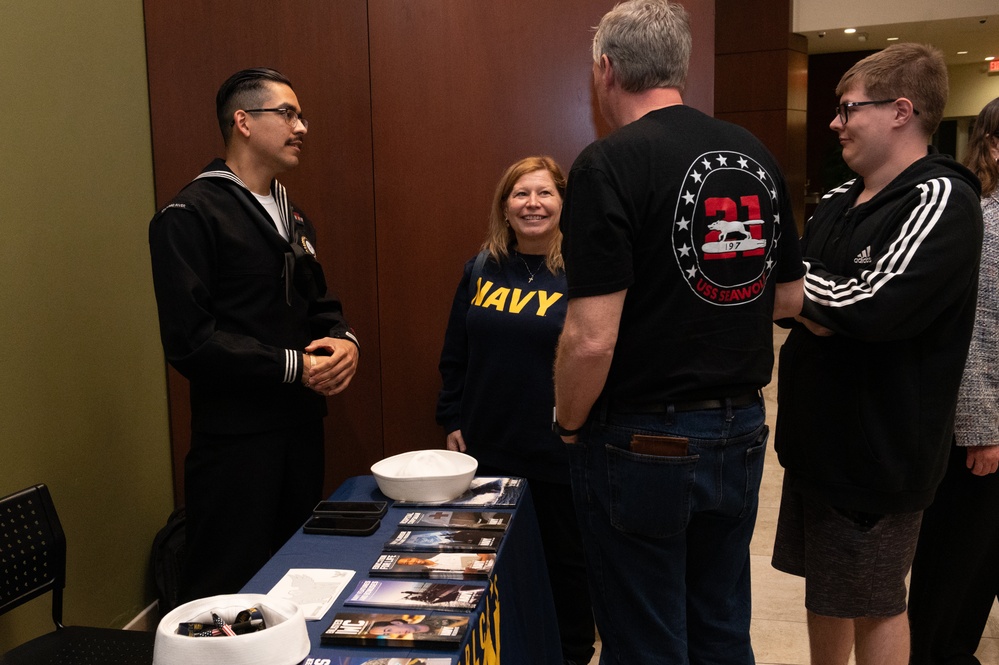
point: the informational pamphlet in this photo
(313, 589)
(434, 565)
(411, 594)
(399, 629)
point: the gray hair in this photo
(648, 43)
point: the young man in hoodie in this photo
(870, 370)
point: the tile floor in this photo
(779, 631)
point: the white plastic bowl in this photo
(284, 640)
(425, 475)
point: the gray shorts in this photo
(854, 563)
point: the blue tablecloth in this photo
(516, 625)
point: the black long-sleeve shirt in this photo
(238, 304)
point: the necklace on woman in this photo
(529, 271)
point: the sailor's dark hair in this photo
(244, 89)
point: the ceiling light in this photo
(990, 58)
(962, 53)
(893, 39)
(850, 31)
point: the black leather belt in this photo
(736, 401)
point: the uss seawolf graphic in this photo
(725, 227)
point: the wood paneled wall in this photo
(415, 107)
(761, 82)
(825, 168)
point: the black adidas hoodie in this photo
(866, 415)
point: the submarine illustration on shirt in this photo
(735, 236)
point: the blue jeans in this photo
(667, 537)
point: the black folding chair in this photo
(32, 563)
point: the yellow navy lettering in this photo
(486, 296)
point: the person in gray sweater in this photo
(955, 576)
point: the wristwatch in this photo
(562, 431)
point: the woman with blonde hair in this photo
(496, 365)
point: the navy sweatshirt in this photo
(496, 367)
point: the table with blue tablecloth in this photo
(515, 624)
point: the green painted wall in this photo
(83, 404)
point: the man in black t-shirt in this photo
(680, 250)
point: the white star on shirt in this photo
(692, 272)
(685, 250)
(689, 198)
